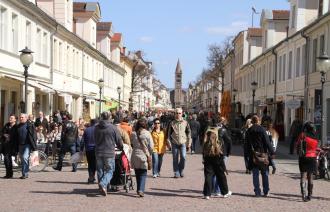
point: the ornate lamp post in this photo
(322, 66)
(119, 92)
(254, 86)
(26, 59)
(101, 85)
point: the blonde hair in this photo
(212, 146)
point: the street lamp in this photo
(234, 97)
(254, 86)
(26, 59)
(322, 66)
(119, 92)
(101, 85)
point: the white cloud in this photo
(232, 29)
(146, 39)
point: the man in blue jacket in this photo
(89, 141)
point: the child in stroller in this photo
(122, 174)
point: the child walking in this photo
(214, 164)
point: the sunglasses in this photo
(157, 122)
(178, 113)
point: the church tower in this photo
(178, 86)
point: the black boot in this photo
(303, 191)
(310, 192)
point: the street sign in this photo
(293, 104)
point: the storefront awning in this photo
(33, 83)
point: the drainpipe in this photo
(82, 77)
(275, 83)
(306, 90)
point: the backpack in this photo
(212, 148)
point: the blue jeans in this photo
(265, 182)
(216, 187)
(178, 165)
(157, 160)
(105, 167)
(194, 141)
(141, 177)
(24, 151)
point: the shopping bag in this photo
(77, 157)
(34, 158)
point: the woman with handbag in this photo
(158, 137)
(306, 149)
(141, 155)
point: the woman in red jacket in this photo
(306, 149)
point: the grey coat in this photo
(139, 158)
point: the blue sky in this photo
(172, 29)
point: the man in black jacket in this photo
(9, 144)
(258, 141)
(195, 129)
(27, 142)
(69, 142)
(107, 138)
(224, 135)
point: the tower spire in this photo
(178, 67)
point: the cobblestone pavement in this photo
(51, 190)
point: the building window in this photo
(45, 48)
(14, 31)
(284, 67)
(60, 57)
(313, 55)
(264, 75)
(38, 45)
(270, 70)
(28, 34)
(290, 65)
(298, 62)
(3, 27)
(303, 67)
(280, 69)
(321, 44)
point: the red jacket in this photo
(311, 145)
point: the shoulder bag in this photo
(260, 159)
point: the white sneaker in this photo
(227, 195)
(14, 164)
(192, 152)
(217, 194)
(206, 197)
(154, 176)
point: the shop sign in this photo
(293, 104)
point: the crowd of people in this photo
(144, 139)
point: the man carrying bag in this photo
(259, 148)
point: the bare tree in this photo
(217, 54)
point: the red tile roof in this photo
(254, 32)
(116, 37)
(104, 26)
(83, 14)
(281, 14)
(79, 6)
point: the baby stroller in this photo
(122, 174)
